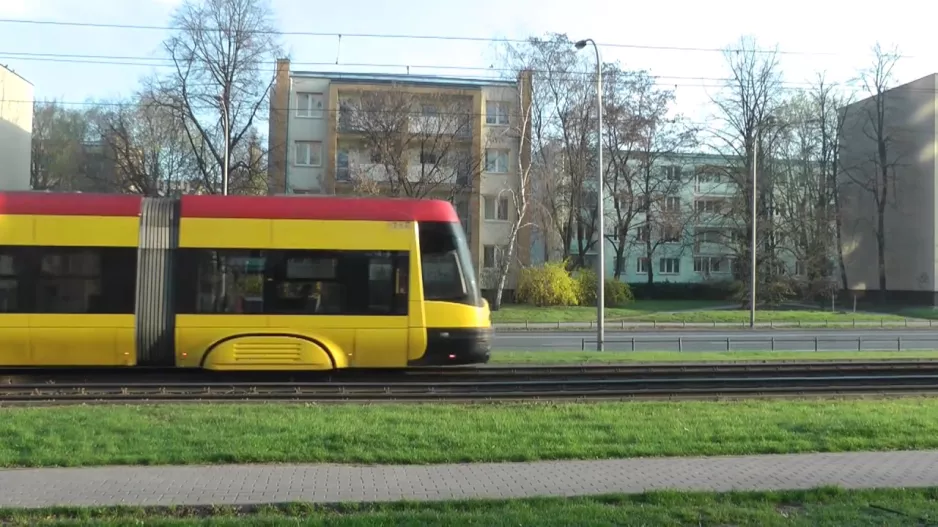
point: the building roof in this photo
(404, 78)
(4, 66)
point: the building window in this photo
(801, 268)
(310, 105)
(672, 173)
(669, 266)
(709, 206)
(307, 153)
(710, 264)
(496, 113)
(496, 209)
(496, 161)
(428, 158)
(641, 265)
(672, 204)
(292, 282)
(670, 233)
(494, 256)
(643, 233)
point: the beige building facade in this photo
(327, 133)
(910, 122)
(16, 130)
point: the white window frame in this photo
(486, 250)
(503, 212)
(489, 212)
(497, 113)
(672, 204)
(308, 158)
(492, 164)
(801, 268)
(309, 110)
(665, 268)
(641, 264)
(705, 265)
(496, 208)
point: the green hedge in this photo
(717, 291)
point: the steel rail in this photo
(676, 386)
(514, 372)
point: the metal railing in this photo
(653, 324)
(812, 343)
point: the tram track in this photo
(603, 382)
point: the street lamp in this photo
(601, 260)
(753, 267)
(223, 102)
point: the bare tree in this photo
(59, 147)
(563, 140)
(807, 196)
(747, 107)
(148, 148)
(643, 193)
(520, 192)
(409, 144)
(877, 173)
(219, 80)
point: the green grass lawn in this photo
(665, 311)
(623, 357)
(815, 508)
(388, 433)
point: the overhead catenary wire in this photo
(411, 36)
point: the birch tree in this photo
(520, 192)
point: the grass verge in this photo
(816, 508)
(665, 311)
(624, 357)
(439, 433)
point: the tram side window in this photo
(96, 280)
(73, 280)
(292, 282)
(8, 284)
(229, 281)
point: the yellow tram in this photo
(236, 283)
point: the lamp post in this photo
(753, 267)
(223, 102)
(601, 260)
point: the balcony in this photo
(429, 174)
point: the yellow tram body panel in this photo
(67, 339)
(117, 335)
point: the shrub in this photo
(547, 285)
(616, 293)
(711, 290)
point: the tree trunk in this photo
(651, 268)
(839, 227)
(620, 253)
(881, 249)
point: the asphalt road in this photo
(741, 340)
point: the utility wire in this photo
(98, 25)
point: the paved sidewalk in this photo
(255, 484)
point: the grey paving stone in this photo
(256, 484)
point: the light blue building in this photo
(692, 233)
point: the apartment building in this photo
(691, 235)
(910, 121)
(407, 135)
(16, 130)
